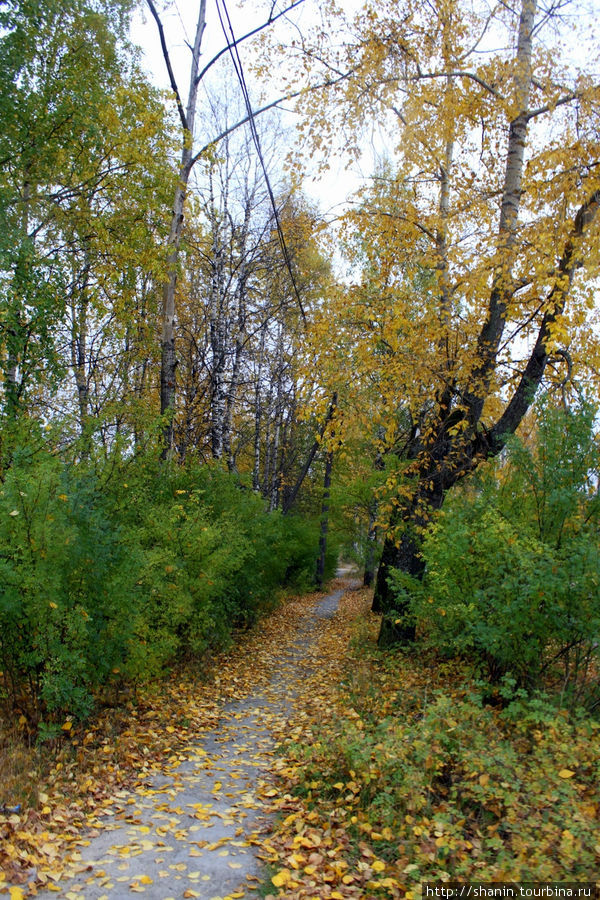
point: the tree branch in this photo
(568, 98)
(459, 74)
(245, 37)
(167, 59)
(289, 501)
(257, 112)
(534, 370)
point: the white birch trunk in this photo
(491, 333)
(168, 357)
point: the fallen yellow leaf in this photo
(282, 878)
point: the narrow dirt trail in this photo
(194, 829)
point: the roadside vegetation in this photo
(412, 768)
(211, 390)
(111, 578)
(473, 755)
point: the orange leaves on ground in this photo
(402, 775)
(312, 848)
(91, 770)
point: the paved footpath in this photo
(194, 830)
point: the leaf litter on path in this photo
(176, 800)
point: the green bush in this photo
(513, 562)
(115, 575)
(67, 583)
(464, 789)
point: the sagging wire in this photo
(237, 65)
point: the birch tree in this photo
(240, 330)
(483, 237)
(189, 156)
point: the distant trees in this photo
(240, 325)
(87, 179)
(189, 156)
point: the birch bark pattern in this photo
(168, 357)
(491, 333)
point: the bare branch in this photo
(167, 59)
(257, 112)
(555, 302)
(245, 37)
(459, 74)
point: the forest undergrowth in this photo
(392, 770)
(406, 769)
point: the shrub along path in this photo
(350, 774)
(194, 823)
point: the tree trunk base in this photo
(392, 634)
(406, 557)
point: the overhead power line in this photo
(232, 46)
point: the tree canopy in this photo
(170, 289)
(474, 246)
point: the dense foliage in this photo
(115, 566)
(512, 565)
(114, 576)
(432, 782)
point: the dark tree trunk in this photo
(456, 436)
(291, 497)
(446, 460)
(403, 553)
(406, 558)
(369, 573)
(320, 575)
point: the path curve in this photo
(194, 830)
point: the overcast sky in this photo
(179, 22)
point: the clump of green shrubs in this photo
(512, 564)
(115, 575)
